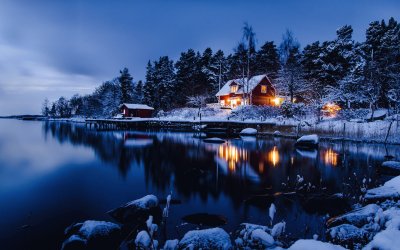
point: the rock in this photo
(349, 235)
(358, 217)
(214, 140)
(213, 238)
(263, 238)
(391, 167)
(249, 131)
(171, 245)
(314, 245)
(92, 235)
(137, 211)
(389, 190)
(307, 141)
(277, 133)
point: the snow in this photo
(272, 211)
(143, 239)
(248, 131)
(213, 238)
(147, 201)
(314, 244)
(386, 240)
(393, 165)
(253, 82)
(278, 229)
(391, 189)
(357, 217)
(262, 237)
(92, 228)
(171, 245)
(308, 139)
(380, 113)
(136, 106)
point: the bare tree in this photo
(249, 37)
(197, 101)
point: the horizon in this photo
(58, 48)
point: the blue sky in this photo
(53, 48)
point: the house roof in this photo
(253, 82)
(136, 106)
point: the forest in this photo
(350, 73)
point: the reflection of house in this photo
(257, 91)
(136, 110)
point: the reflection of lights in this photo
(330, 157)
(292, 160)
(232, 155)
(261, 167)
(331, 109)
(273, 156)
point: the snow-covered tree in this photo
(267, 60)
(45, 107)
(125, 81)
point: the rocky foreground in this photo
(374, 225)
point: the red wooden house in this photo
(257, 91)
(136, 110)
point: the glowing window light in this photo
(277, 101)
(273, 156)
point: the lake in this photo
(53, 174)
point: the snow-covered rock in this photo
(391, 189)
(262, 238)
(347, 234)
(214, 140)
(308, 141)
(357, 217)
(248, 131)
(314, 245)
(278, 229)
(212, 238)
(92, 235)
(388, 239)
(391, 167)
(171, 245)
(143, 239)
(137, 211)
(277, 133)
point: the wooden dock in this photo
(214, 126)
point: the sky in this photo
(53, 48)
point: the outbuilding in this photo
(136, 110)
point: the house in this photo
(257, 91)
(136, 110)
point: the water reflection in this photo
(221, 177)
(273, 156)
(331, 157)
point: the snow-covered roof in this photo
(136, 106)
(253, 82)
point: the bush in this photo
(254, 112)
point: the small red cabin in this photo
(136, 110)
(257, 91)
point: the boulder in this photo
(391, 167)
(249, 131)
(348, 235)
(212, 238)
(389, 190)
(307, 141)
(137, 211)
(92, 235)
(358, 217)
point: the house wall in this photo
(143, 113)
(258, 98)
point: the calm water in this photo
(54, 174)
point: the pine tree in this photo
(138, 90)
(149, 87)
(45, 107)
(267, 61)
(125, 81)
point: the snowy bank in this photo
(389, 190)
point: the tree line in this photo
(350, 73)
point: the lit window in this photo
(222, 102)
(234, 88)
(263, 89)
